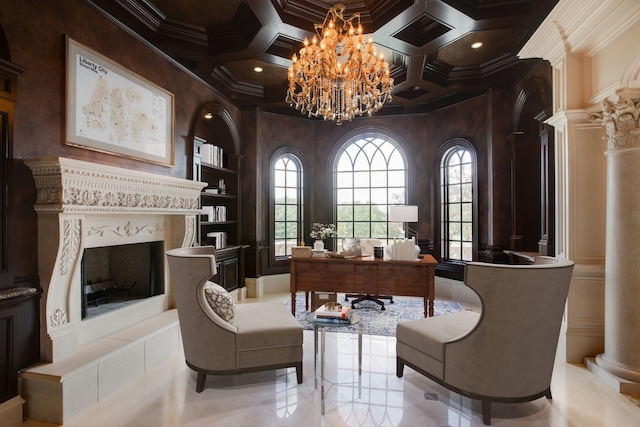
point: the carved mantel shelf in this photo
(75, 186)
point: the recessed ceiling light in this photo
(476, 45)
(208, 115)
(258, 69)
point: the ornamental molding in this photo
(620, 120)
(58, 318)
(127, 230)
(71, 238)
(74, 186)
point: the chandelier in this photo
(338, 76)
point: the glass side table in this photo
(322, 324)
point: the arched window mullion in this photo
(375, 224)
(457, 222)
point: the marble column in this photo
(621, 357)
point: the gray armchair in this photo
(503, 354)
(261, 336)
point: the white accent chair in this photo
(262, 336)
(503, 354)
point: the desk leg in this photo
(322, 370)
(293, 303)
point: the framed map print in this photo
(115, 111)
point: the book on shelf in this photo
(333, 311)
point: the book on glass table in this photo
(333, 311)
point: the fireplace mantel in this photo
(85, 205)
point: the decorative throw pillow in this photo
(220, 301)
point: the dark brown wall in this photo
(35, 31)
(485, 122)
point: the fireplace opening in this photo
(113, 277)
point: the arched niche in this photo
(533, 210)
(215, 125)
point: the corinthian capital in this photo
(620, 119)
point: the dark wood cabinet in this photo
(19, 336)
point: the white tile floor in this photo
(166, 397)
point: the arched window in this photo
(287, 186)
(457, 188)
(370, 174)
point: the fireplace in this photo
(84, 208)
(114, 277)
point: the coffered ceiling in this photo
(426, 42)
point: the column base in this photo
(621, 385)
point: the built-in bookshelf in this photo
(218, 224)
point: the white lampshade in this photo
(403, 213)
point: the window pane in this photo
(279, 212)
(454, 194)
(467, 192)
(345, 229)
(467, 212)
(379, 212)
(396, 178)
(361, 229)
(292, 195)
(378, 163)
(454, 212)
(292, 230)
(454, 174)
(379, 196)
(292, 213)
(278, 193)
(361, 213)
(292, 179)
(396, 162)
(467, 232)
(345, 196)
(278, 178)
(345, 213)
(344, 179)
(467, 172)
(361, 179)
(379, 178)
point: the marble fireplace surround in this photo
(85, 205)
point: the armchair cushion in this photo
(220, 301)
(266, 325)
(430, 335)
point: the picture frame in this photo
(113, 110)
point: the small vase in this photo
(318, 245)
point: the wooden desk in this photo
(365, 275)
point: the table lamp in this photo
(405, 214)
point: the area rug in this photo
(376, 321)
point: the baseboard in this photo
(620, 385)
